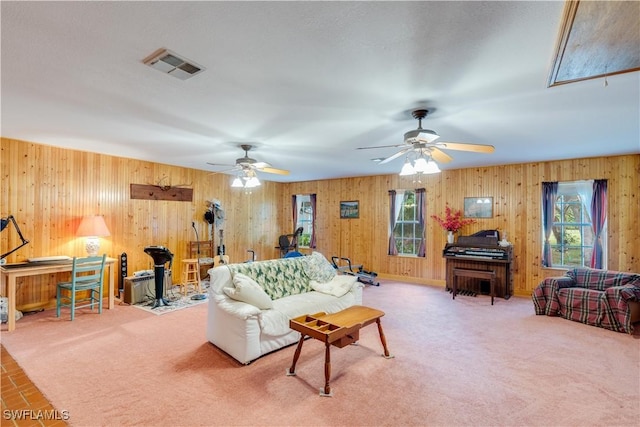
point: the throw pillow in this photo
(248, 290)
(319, 269)
(338, 286)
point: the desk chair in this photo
(289, 242)
(285, 245)
(87, 276)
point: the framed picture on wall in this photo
(478, 207)
(349, 209)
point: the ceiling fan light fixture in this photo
(252, 182)
(407, 169)
(432, 167)
(246, 179)
(420, 135)
(420, 165)
(237, 183)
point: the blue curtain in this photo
(392, 223)
(598, 218)
(420, 193)
(312, 197)
(549, 193)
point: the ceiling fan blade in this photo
(440, 156)
(477, 148)
(221, 164)
(274, 170)
(260, 165)
(381, 146)
(395, 156)
(224, 171)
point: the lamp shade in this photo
(252, 182)
(407, 169)
(93, 226)
(420, 165)
(432, 167)
(247, 179)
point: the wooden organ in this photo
(481, 253)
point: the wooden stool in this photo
(479, 274)
(190, 275)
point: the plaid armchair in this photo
(603, 298)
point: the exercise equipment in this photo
(344, 266)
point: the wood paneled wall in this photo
(49, 189)
(516, 197)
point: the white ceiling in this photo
(305, 82)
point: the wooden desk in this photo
(338, 329)
(11, 272)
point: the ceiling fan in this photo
(423, 142)
(248, 165)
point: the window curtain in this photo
(294, 209)
(420, 200)
(549, 194)
(312, 244)
(392, 223)
(598, 219)
(584, 190)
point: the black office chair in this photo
(289, 242)
(285, 245)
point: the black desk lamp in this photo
(4, 222)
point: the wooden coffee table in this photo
(338, 329)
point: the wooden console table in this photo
(10, 272)
(339, 329)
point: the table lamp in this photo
(92, 227)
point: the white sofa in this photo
(246, 331)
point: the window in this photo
(304, 219)
(570, 238)
(407, 236)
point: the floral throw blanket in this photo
(287, 276)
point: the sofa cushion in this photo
(247, 290)
(338, 286)
(318, 268)
(583, 305)
(276, 322)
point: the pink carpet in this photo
(457, 363)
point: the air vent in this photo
(171, 63)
